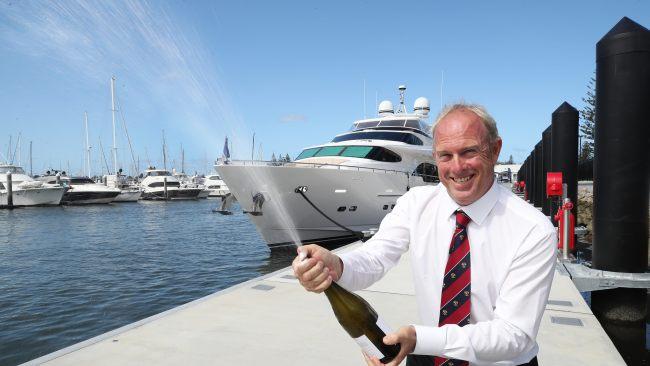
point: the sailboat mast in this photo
(164, 152)
(113, 113)
(87, 145)
(182, 160)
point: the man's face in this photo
(464, 156)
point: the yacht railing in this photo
(425, 177)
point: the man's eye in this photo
(444, 157)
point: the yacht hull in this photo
(159, 194)
(187, 194)
(50, 196)
(72, 197)
(128, 196)
(355, 198)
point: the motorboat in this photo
(337, 192)
(81, 190)
(189, 188)
(216, 186)
(129, 191)
(158, 184)
(26, 191)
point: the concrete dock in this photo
(272, 320)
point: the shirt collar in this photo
(478, 210)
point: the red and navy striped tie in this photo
(456, 286)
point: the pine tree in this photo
(510, 160)
(588, 119)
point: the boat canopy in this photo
(4, 169)
(414, 123)
(81, 180)
(158, 173)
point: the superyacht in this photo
(337, 192)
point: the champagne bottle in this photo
(361, 322)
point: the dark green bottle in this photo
(361, 322)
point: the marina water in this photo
(71, 273)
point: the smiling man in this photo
(483, 259)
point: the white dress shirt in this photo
(512, 248)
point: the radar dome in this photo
(386, 107)
(421, 106)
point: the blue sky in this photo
(292, 72)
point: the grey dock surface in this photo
(272, 320)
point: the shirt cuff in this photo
(346, 277)
(430, 340)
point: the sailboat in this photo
(129, 192)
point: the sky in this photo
(291, 73)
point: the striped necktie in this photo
(456, 286)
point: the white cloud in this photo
(293, 118)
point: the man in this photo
(483, 259)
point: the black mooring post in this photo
(10, 194)
(547, 154)
(539, 172)
(621, 180)
(531, 177)
(564, 124)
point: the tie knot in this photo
(462, 219)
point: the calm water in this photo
(70, 273)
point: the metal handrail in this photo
(321, 165)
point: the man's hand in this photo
(406, 336)
(316, 267)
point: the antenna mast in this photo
(87, 145)
(402, 90)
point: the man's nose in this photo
(457, 163)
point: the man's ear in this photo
(496, 149)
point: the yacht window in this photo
(2, 186)
(392, 123)
(81, 181)
(381, 154)
(428, 172)
(308, 153)
(330, 151)
(162, 184)
(367, 124)
(159, 173)
(367, 152)
(380, 135)
(356, 151)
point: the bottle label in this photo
(367, 346)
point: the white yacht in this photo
(339, 191)
(25, 190)
(129, 191)
(81, 190)
(189, 188)
(216, 186)
(158, 184)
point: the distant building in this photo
(506, 172)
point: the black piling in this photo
(621, 180)
(564, 124)
(10, 192)
(539, 172)
(531, 170)
(547, 159)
